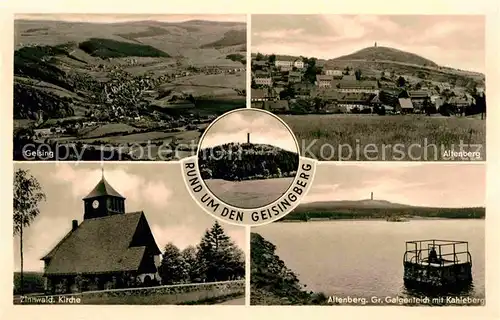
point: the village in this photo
(131, 105)
(299, 85)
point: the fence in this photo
(169, 294)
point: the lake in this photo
(365, 258)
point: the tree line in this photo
(215, 258)
(235, 162)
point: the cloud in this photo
(456, 41)
(263, 129)
(111, 18)
(419, 184)
(80, 181)
(279, 34)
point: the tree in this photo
(401, 82)
(172, 268)
(311, 70)
(191, 263)
(272, 58)
(28, 194)
(219, 257)
(259, 57)
(357, 73)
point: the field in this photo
(249, 193)
(209, 85)
(386, 138)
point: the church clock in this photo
(95, 204)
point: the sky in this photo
(158, 189)
(456, 41)
(263, 128)
(418, 184)
(110, 18)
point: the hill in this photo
(230, 38)
(377, 209)
(388, 54)
(107, 48)
(245, 161)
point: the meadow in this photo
(385, 138)
(249, 193)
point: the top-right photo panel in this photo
(374, 87)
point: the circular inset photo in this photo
(248, 158)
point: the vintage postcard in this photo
(123, 87)
(119, 234)
(374, 87)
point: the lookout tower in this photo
(375, 44)
(371, 196)
(248, 137)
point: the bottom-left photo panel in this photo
(119, 233)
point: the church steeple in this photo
(103, 201)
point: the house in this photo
(334, 72)
(43, 133)
(328, 94)
(260, 95)
(351, 101)
(303, 90)
(323, 81)
(404, 105)
(419, 94)
(358, 86)
(276, 106)
(284, 62)
(390, 96)
(459, 102)
(294, 77)
(263, 80)
(109, 249)
(299, 64)
(419, 98)
(260, 64)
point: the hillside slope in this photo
(272, 283)
(388, 54)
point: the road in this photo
(237, 301)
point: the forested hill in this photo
(247, 161)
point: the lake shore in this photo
(376, 219)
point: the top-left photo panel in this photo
(111, 87)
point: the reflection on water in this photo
(365, 258)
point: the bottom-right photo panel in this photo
(406, 234)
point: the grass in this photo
(250, 193)
(359, 131)
(109, 129)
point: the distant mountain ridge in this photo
(365, 203)
(377, 209)
(388, 54)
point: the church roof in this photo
(108, 244)
(103, 188)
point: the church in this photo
(109, 249)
